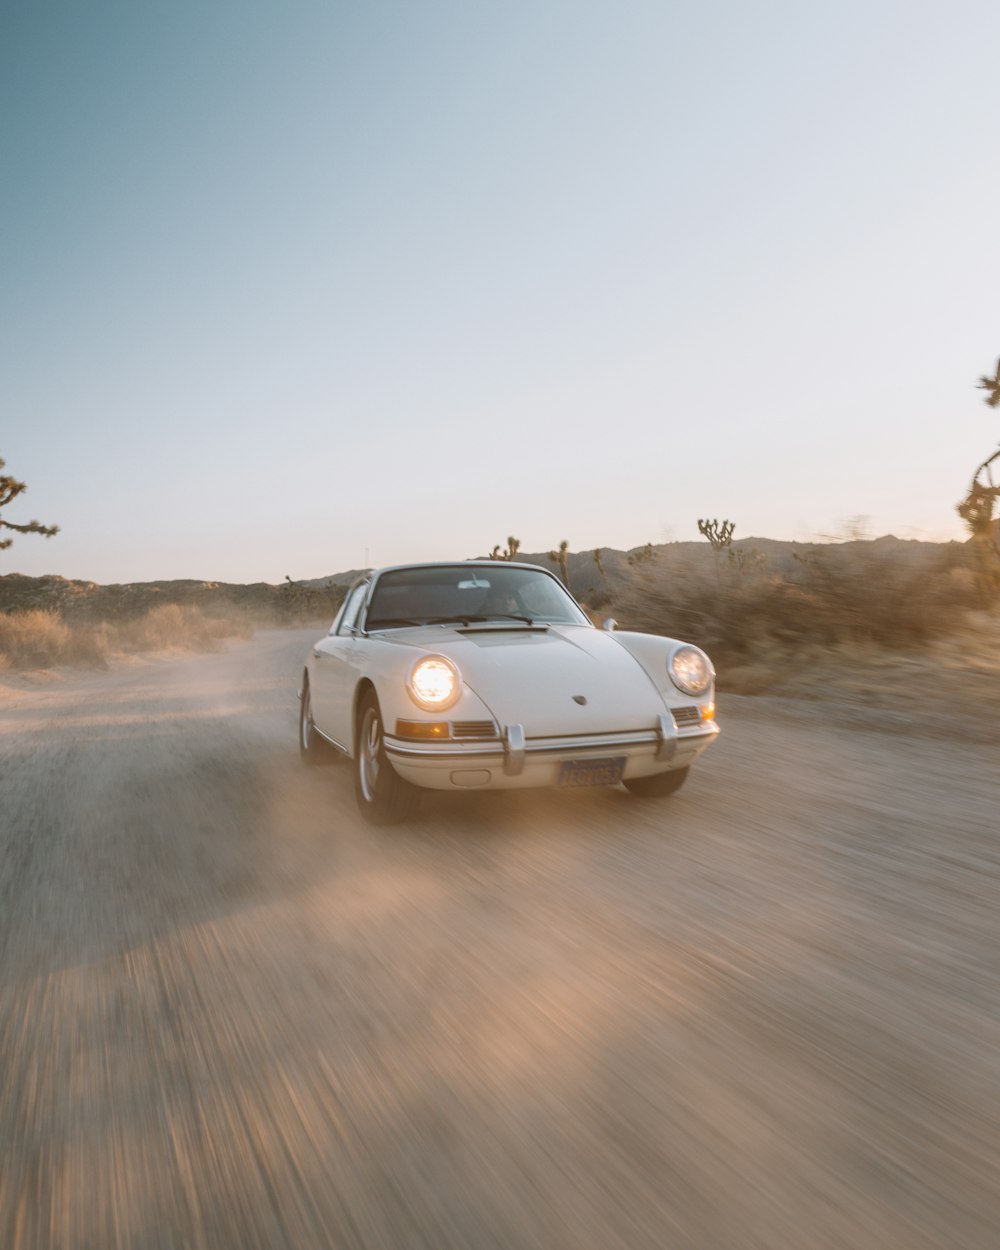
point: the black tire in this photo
(658, 786)
(312, 748)
(384, 798)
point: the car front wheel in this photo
(384, 798)
(658, 786)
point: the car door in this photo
(335, 661)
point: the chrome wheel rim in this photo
(306, 720)
(371, 742)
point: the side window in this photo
(351, 608)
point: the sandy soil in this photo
(762, 1014)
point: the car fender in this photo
(387, 670)
(653, 653)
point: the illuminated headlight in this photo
(691, 670)
(434, 683)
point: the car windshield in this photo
(463, 594)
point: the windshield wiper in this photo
(478, 618)
(391, 623)
(462, 618)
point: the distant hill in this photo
(797, 619)
(621, 567)
(89, 601)
(617, 578)
(343, 580)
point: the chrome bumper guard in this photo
(666, 732)
(513, 750)
(516, 750)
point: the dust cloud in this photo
(763, 1013)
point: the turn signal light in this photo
(421, 729)
(708, 712)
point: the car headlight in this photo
(691, 670)
(434, 683)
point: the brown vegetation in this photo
(887, 593)
(10, 489)
(49, 621)
(774, 616)
(508, 553)
(979, 504)
(776, 610)
(43, 639)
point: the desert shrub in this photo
(175, 625)
(32, 639)
(305, 605)
(43, 638)
(883, 594)
(88, 646)
(40, 639)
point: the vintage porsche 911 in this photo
(487, 675)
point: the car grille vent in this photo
(473, 729)
(686, 715)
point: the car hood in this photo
(560, 680)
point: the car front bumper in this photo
(516, 762)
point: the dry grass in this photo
(862, 621)
(879, 611)
(43, 639)
(176, 625)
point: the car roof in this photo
(482, 563)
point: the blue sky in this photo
(285, 284)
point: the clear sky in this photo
(283, 284)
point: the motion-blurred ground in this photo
(764, 1013)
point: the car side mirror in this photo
(609, 624)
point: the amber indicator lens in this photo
(421, 729)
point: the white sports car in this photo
(487, 675)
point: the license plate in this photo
(602, 772)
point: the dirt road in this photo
(762, 1014)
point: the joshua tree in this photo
(509, 552)
(598, 552)
(718, 535)
(561, 557)
(993, 386)
(642, 556)
(10, 489)
(976, 509)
